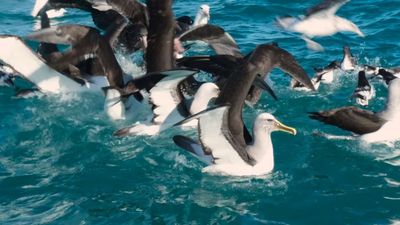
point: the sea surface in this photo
(60, 164)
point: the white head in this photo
(202, 16)
(267, 123)
(206, 92)
(205, 9)
(346, 25)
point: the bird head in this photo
(269, 123)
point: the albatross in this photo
(222, 134)
(364, 90)
(367, 125)
(318, 21)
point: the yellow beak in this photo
(285, 128)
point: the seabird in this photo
(202, 16)
(328, 73)
(218, 149)
(322, 75)
(364, 91)
(318, 21)
(221, 130)
(169, 106)
(348, 63)
(369, 126)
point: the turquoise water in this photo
(59, 163)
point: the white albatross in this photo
(219, 150)
(221, 130)
(318, 21)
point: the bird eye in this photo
(270, 120)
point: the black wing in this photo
(262, 60)
(350, 118)
(219, 40)
(326, 7)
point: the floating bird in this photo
(364, 91)
(220, 152)
(369, 126)
(169, 106)
(318, 21)
(348, 63)
(328, 73)
(221, 130)
(322, 75)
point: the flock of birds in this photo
(177, 98)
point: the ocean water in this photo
(59, 163)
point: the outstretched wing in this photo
(325, 8)
(219, 40)
(261, 61)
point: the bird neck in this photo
(262, 150)
(392, 110)
(200, 19)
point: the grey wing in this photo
(221, 41)
(350, 118)
(326, 7)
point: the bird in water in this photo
(226, 144)
(364, 90)
(368, 126)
